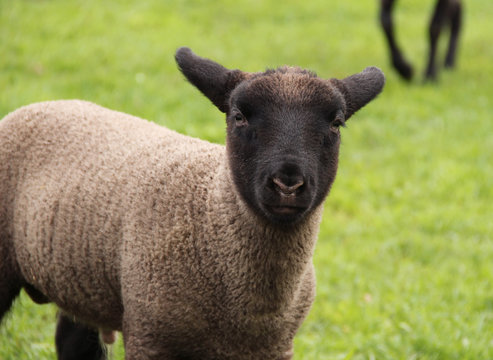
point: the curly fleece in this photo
(130, 226)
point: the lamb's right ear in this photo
(212, 79)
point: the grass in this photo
(405, 253)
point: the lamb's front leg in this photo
(142, 342)
(136, 348)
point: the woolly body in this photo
(107, 211)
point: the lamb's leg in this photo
(136, 350)
(144, 343)
(10, 284)
(455, 27)
(9, 290)
(76, 341)
(436, 25)
(402, 66)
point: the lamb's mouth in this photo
(283, 210)
(284, 214)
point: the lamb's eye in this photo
(240, 119)
(336, 124)
(338, 120)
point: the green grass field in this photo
(405, 254)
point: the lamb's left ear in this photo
(359, 89)
(212, 79)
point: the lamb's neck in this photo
(262, 263)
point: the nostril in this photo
(284, 189)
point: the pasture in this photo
(405, 254)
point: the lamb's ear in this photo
(359, 89)
(212, 79)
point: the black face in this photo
(283, 142)
(283, 129)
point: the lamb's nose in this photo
(287, 190)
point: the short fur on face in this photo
(283, 130)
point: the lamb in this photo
(446, 12)
(192, 250)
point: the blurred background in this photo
(405, 253)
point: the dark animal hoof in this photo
(404, 69)
(449, 63)
(430, 75)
